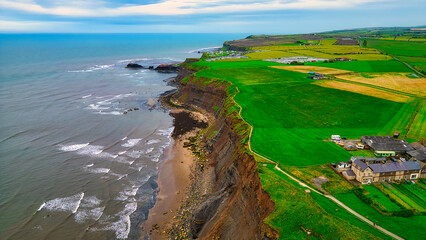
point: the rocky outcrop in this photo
(167, 68)
(230, 203)
(134, 66)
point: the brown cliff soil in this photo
(225, 199)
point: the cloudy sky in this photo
(206, 16)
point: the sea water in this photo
(72, 165)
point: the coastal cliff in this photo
(225, 199)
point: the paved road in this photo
(301, 183)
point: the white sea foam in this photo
(99, 170)
(122, 152)
(86, 214)
(97, 107)
(134, 60)
(89, 209)
(116, 113)
(122, 226)
(74, 147)
(94, 68)
(149, 150)
(123, 138)
(131, 142)
(87, 149)
(66, 204)
(121, 159)
(153, 141)
(87, 96)
(89, 165)
(119, 176)
(41, 207)
(166, 132)
(134, 154)
(127, 192)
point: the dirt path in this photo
(301, 183)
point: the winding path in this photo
(301, 183)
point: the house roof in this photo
(386, 143)
(349, 173)
(361, 164)
(418, 154)
(418, 146)
(368, 159)
(390, 166)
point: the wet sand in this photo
(173, 178)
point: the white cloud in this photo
(32, 26)
(175, 7)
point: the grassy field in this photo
(335, 183)
(412, 53)
(376, 194)
(291, 116)
(365, 66)
(415, 193)
(408, 228)
(418, 127)
(394, 81)
(399, 48)
(405, 195)
(364, 90)
(317, 69)
(269, 54)
(301, 210)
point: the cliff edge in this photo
(226, 199)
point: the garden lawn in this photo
(408, 228)
(365, 66)
(291, 116)
(380, 197)
(301, 210)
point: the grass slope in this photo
(376, 194)
(301, 210)
(291, 116)
(408, 228)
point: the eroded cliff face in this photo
(230, 201)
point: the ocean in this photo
(72, 165)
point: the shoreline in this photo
(173, 176)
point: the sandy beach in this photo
(173, 178)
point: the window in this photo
(383, 179)
(413, 176)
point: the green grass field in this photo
(365, 66)
(418, 127)
(408, 228)
(405, 195)
(270, 54)
(291, 116)
(399, 48)
(380, 197)
(301, 210)
(415, 193)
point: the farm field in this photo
(365, 66)
(394, 81)
(414, 192)
(291, 116)
(364, 90)
(307, 69)
(376, 194)
(405, 195)
(411, 52)
(418, 127)
(406, 227)
(300, 209)
(269, 54)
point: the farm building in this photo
(418, 152)
(349, 174)
(369, 159)
(385, 146)
(342, 165)
(335, 137)
(386, 172)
